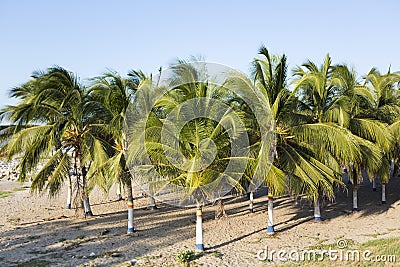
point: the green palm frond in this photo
(372, 130)
(331, 138)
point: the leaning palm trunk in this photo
(251, 196)
(374, 184)
(270, 229)
(317, 211)
(199, 229)
(131, 228)
(383, 193)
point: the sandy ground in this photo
(38, 231)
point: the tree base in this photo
(220, 210)
(317, 219)
(355, 210)
(251, 210)
(118, 198)
(199, 247)
(88, 214)
(374, 189)
(383, 202)
(68, 207)
(153, 207)
(270, 230)
(131, 230)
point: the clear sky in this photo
(87, 37)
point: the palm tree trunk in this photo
(118, 196)
(251, 195)
(270, 229)
(355, 199)
(199, 229)
(317, 211)
(131, 228)
(345, 175)
(152, 203)
(220, 210)
(69, 194)
(383, 193)
(85, 195)
(86, 205)
(374, 184)
(391, 168)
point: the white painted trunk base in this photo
(317, 212)
(199, 229)
(355, 200)
(69, 196)
(152, 203)
(383, 193)
(391, 168)
(251, 202)
(270, 229)
(119, 195)
(86, 206)
(131, 228)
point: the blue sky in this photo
(87, 37)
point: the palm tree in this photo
(325, 102)
(182, 146)
(385, 108)
(114, 93)
(302, 153)
(353, 112)
(269, 75)
(63, 131)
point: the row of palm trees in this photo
(324, 117)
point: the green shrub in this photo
(185, 257)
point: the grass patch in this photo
(124, 264)
(33, 237)
(151, 257)
(350, 244)
(13, 220)
(20, 188)
(383, 252)
(216, 254)
(36, 263)
(33, 263)
(4, 194)
(38, 252)
(384, 246)
(185, 257)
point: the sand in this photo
(39, 231)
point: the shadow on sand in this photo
(73, 240)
